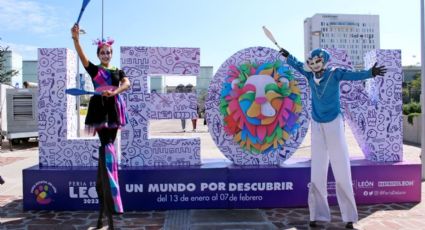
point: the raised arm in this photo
(292, 61)
(75, 31)
(361, 75)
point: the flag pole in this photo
(102, 20)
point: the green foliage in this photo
(411, 116)
(406, 96)
(412, 107)
(412, 90)
(416, 83)
(5, 76)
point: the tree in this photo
(5, 75)
(416, 88)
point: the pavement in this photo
(373, 217)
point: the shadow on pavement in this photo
(19, 145)
(11, 215)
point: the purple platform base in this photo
(72, 188)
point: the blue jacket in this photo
(325, 96)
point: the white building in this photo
(29, 71)
(356, 34)
(205, 76)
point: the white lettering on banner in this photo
(395, 183)
(82, 192)
(177, 187)
(392, 193)
(246, 197)
(77, 183)
(331, 185)
(134, 187)
(260, 186)
(365, 184)
(211, 187)
(220, 186)
(217, 197)
(384, 193)
(200, 198)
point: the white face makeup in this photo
(315, 64)
(105, 55)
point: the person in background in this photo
(327, 131)
(106, 114)
(27, 84)
(181, 89)
(189, 89)
(195, 120)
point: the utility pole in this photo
(78, 80)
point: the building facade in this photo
(157, 83)
(203, 81)
(13, 61)
(356, 34)
(29, 71)
(409, 73)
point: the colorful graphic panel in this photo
(170, 188)
(257, 108)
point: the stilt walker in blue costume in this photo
(327, 131)
(106, 114)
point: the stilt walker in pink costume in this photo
(327, 131)
(106, 114)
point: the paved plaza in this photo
(371, 217)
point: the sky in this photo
(219, 28)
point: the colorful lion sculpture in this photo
(261, 104)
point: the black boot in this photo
(1, 180)
(99, 220)
(349, 225)
(312, 224)
(110, 222)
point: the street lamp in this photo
(78, 79)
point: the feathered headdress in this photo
(103, 42)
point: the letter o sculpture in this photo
(257, 108)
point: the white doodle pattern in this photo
(58, 142)
(215, 121)
(372, 108)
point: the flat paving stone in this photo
(402, 216)
(231, 226)
(230, 215)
